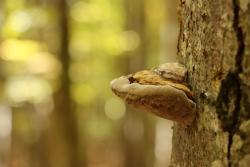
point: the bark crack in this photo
(239, 56)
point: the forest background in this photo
(57, 58)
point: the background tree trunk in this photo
(65, 128)
(142, 140)
(214, 44)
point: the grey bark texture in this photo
(214, 44)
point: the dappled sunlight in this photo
(57, 59)
(27, 89)
(19, 50)
(44, 63)
(19, 21)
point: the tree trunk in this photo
(64, 150)
(138, 124)
(214, 44)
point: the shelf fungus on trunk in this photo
(162, 91)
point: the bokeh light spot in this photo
(131, 40)
(19, 50)
(20, 21)
(27, 89)
(115, 108)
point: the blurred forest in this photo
(57, 58)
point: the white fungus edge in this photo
(123, 85)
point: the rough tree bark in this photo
(214, 44)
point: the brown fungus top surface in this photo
(147, 77)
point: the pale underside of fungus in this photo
(162, 91)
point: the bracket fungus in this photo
(162, 91)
